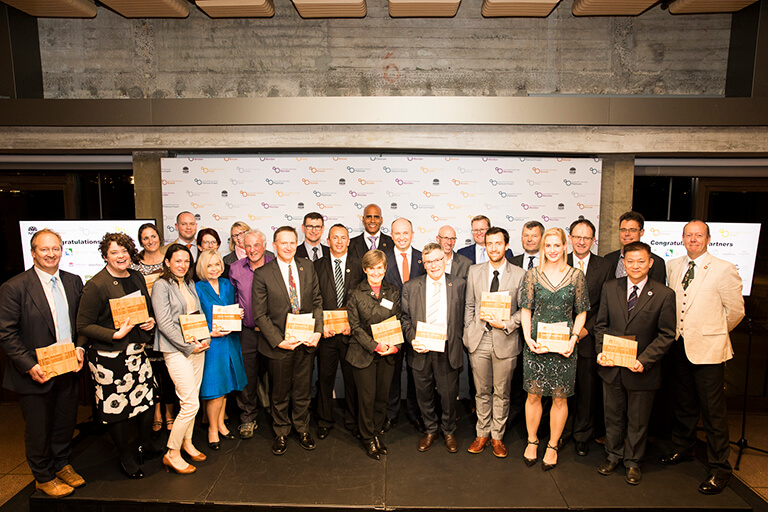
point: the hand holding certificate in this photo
(336, 322)
(495, 306)
(389, 332)
(132, 307)
(430, 337)
(299, 328)
(554, 337)
(57, 359)
(227, 318)
(194, 327)
(618, 351)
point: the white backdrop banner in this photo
(430, 190)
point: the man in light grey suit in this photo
(437, 299)
(455, 264)
(494, 345)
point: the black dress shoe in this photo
(280, 445)
(323, 432)
(582, 449)
(135, 475)
(306, 441)
(371, 450)
(380, 445)
(675, 458)
(386, 426)
(633, 476)
(607, 467)
(147, 452)
(713, 485)
(418, 425)
(228, 435)
(214, 445)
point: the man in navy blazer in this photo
(403, 263)
(438, 299)
(476, 252)
(30, 319)
(287, 285)
(371, 237)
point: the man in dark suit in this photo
(311, 248)
(641, 307)
(403, 263)
(631, 230)
(287, 285)
(38, 308)
(186, 227)
(455, 264)
(533, 230)
(476, 252)
(371, 237)
(587, 401)
(337, 275)
(437, 299)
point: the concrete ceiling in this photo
(331, 8)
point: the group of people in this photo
(140, 371)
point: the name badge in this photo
(386, 303)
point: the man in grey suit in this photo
(436, 298)
(455, 264)
(287, 285)
(494, 345)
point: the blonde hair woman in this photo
(553, 292)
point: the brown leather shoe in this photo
(69, 476)
(426, 442)
(478, 444)
(499, 449)
(451, 443)
(55, 488)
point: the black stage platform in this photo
(338, 475)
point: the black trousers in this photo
(587, 402)
(248, 399)
(698, 389)
(50, 420)
(437, 375)
(626, 422)
(372, 384)
(290, 383)
(330, 353)
(395, 393)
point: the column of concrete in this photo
(615, 198)
(147, 185)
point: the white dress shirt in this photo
(481, 255)
(45, 280)
(576, 261)
(442, 311)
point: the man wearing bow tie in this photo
(709, 306)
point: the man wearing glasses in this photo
(312, 227)
(588, 397)
(436, 298)
(476, 252)
(631, 230)
(455, 264)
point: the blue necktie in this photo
(62, 312)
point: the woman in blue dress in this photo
(224, 370)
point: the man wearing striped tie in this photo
(337, 275)
(437, 299)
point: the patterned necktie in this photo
(406, 269)
(632, 300)
(314, 254)
(434, 304)
(581, 266)
(338, 278)
(688, 277)
(530, 262)
(62, 314)
(292, 292)
(373, 242)
(621, 270)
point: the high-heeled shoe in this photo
(228, 435)
(544, 465)
(135, 475)
(530, 462)
(200, 457)
(214, 445)
(182, 471)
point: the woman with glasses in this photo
(236, 244)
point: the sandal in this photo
(157, 425)
(530, 462)
(544, 465)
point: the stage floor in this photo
(338, 475)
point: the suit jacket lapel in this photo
(35, 288)
(506, 278)
(699, 274)
(643, 298)
(421, 298)
(277, 275)
(621, 296)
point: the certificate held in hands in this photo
(299, 327)
(194, 327)
(619, 350)
(336, 320)
(554, 337)
(227, 318)
(496, 305)
(430, 336)
(132, 306)
(388, 332)
(57, 359)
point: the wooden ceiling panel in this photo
(707, 6)
(149, 8)
(237, 8)
(518, 8)
(55, 8)
(610, 7)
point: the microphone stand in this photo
(743, 443)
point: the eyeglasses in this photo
(239, 234)
(312, 227)
(629, 230)
(209, 243)
(432, 262)
(582, 238)
(481, 230)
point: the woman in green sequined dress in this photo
(551, 293)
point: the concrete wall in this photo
(653, 54)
